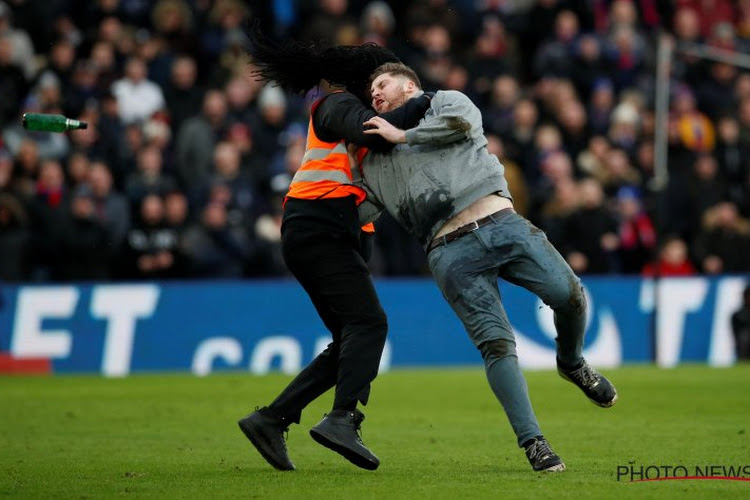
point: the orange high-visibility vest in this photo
(326, 170)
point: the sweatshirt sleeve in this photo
(341, 116)
(452, 118)
(370, 209)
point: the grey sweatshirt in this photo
(442, 169)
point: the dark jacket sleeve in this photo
(341, 116)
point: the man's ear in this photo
(410, 86)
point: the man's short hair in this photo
(398, 69)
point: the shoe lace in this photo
(539, 449)
(357, 419)
(284, 427)
(586, 375)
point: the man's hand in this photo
(379, 126)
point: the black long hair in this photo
(298, 67)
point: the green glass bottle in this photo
(40, 122)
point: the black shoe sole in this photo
(260, 446)
(345, 452)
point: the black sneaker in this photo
(542, 458)
(594, 385)
(339, 431)
(266, 432)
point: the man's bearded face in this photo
(388, 92)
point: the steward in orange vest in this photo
(328, 171)
(322, 248)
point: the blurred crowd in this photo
(182, 170)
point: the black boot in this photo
(594, 385)
(266, 431)
(541, 457)
(339, 431)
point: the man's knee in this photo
(577, 299)
(497, 349)
(378, 319)
(569, 297)
(380, 325)
(375, 324)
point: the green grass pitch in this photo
(439, 434)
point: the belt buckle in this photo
(474, 226)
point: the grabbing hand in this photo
(384, 129)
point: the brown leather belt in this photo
(466, 229)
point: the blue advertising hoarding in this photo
(262, 326)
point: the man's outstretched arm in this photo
(454, 118)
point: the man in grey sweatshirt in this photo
(444, 187)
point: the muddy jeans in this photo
(467, 269)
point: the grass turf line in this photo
(439, 434)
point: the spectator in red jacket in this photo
(636, 231)
(673, 260)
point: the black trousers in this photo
(329, 266)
